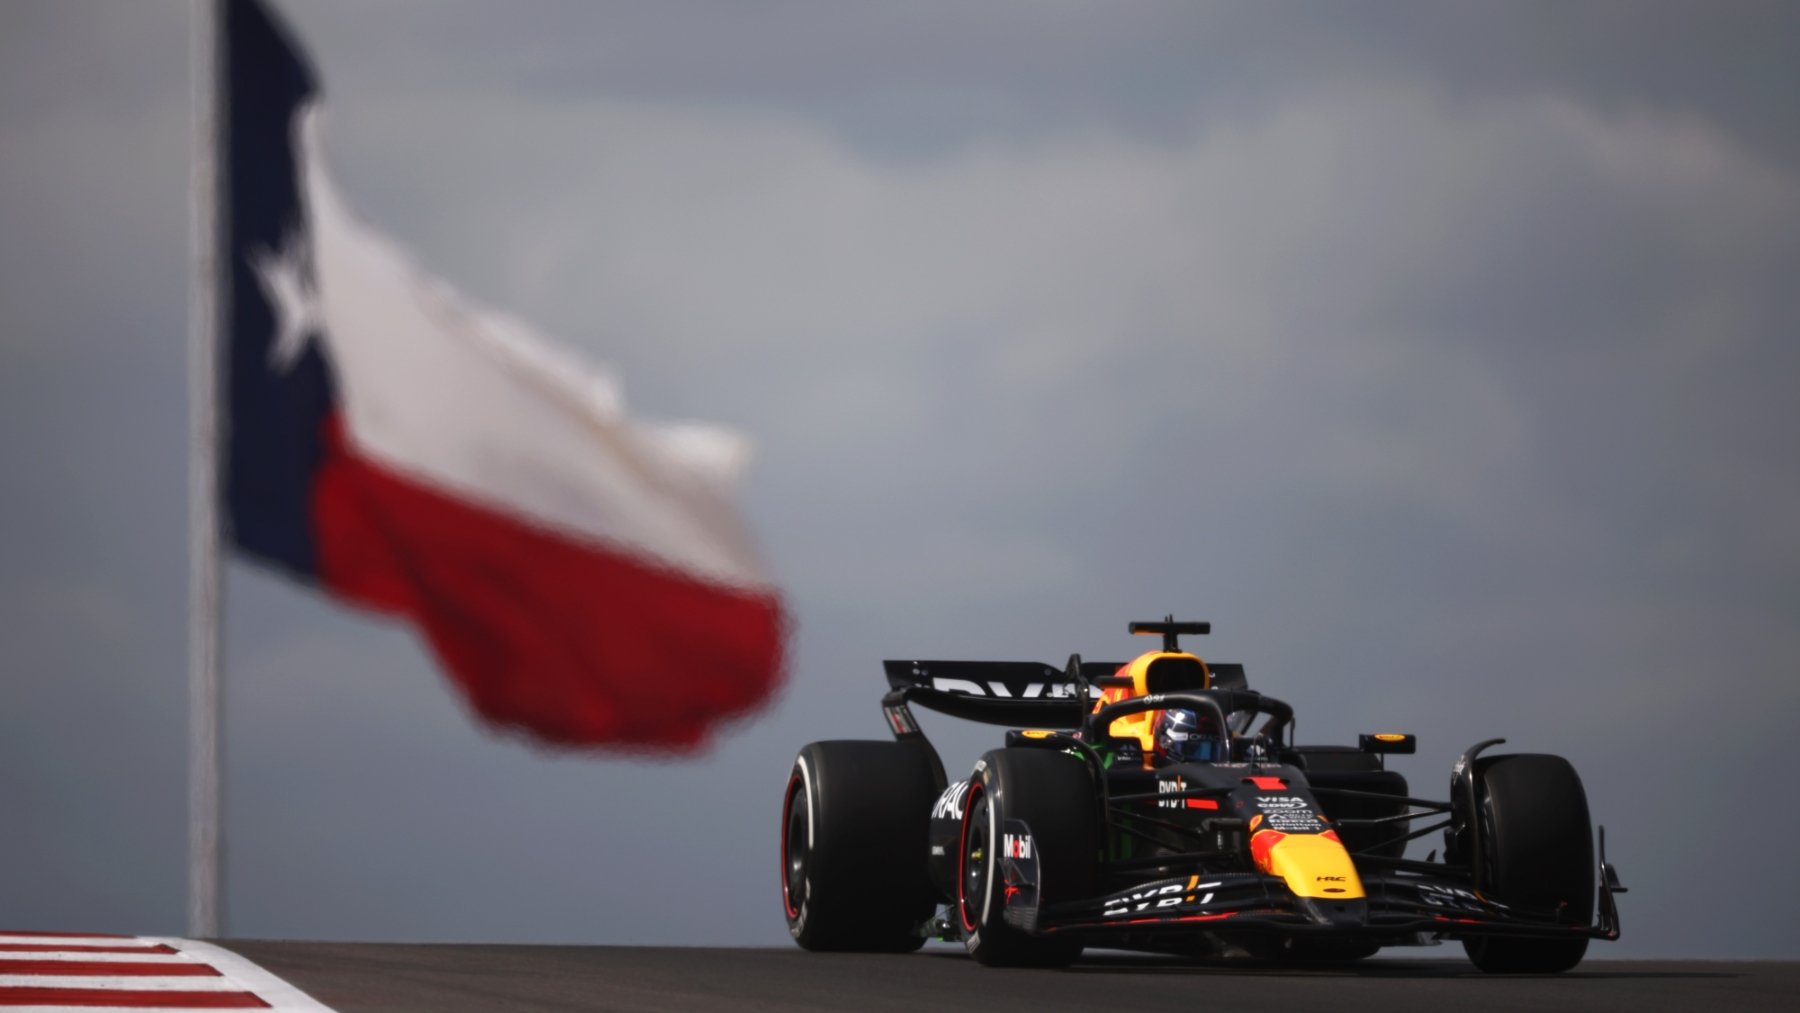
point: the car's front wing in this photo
(1393, 905)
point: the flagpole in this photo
(205, 760)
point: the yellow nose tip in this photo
(1314, 865)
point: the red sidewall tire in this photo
(1054, 795)
(860, 882)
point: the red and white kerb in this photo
(44, 971)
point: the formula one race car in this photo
(1161, 805)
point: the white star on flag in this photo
(287, 280)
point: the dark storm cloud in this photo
(938, 74)
(1441, 354)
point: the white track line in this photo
(88, 956)
(281, 996)
(73, 942)
(126, 982)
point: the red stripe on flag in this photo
(54, 948)
(33, 996)
(577, 643)
(146, 969)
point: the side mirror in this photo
(1388, 742)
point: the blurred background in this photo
(1443, 355)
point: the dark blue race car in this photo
(1161, 804)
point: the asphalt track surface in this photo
(402, 978)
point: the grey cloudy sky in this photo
(1443, 355)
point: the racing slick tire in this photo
(1053, 794)
(1537, 849)
(853, 847)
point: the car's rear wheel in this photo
(853, 847)
(1537, 856)
(1052, 794)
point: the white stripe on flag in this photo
(477, 404)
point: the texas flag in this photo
(582, 576)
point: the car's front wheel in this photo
(1035, 803)
(1537, 856)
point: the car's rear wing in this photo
(1016, 693)
(1021, 694)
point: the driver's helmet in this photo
(1184, 736)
